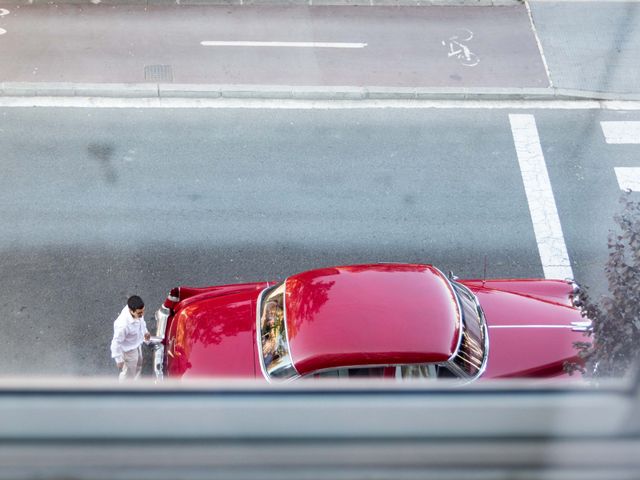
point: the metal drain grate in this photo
(158, 73)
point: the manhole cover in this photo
(158, 73)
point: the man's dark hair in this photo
(135, 303)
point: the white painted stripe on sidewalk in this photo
(628, 178)
(542, 205)
(216, 43)
(621, 132)
(540, 49)
(308, 104)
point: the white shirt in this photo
(128, 334)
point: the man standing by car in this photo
(129, 331)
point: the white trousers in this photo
(132, 364)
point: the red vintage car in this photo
(377, 320)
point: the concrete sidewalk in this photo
(587, 53)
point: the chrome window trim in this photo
(342, 367)
(259, 333)
(461, 375)
(263, 367)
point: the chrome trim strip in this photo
(584, 326)
(259, 334)
(485, 331)
(533, 326)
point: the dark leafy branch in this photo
(614, 343)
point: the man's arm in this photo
(147, 335)
(116, 345)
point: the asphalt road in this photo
(98, 204)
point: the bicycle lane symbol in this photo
(3, 12)
(457, 48)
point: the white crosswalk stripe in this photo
(542, 204)
(624, 133)
(628, 178)
(621, 132)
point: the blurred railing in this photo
(97, 429)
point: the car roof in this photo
(375, 314)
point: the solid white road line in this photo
(542, 205)
(628, 178)
(214, 43)
(621, 132)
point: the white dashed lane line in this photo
(542, 204)
(216, 43)
(618, 133)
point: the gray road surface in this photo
(102, 203)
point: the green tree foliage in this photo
(615, 338)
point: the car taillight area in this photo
(163, 314)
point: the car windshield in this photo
(273, 334)
(472, 352)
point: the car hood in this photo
(528, 336)
(214, 337)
